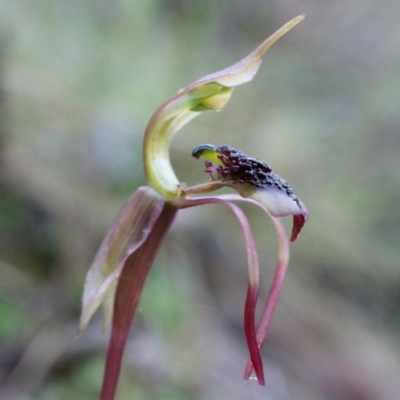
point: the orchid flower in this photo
(121, 265)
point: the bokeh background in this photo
(78, 82)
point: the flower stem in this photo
(129, 289)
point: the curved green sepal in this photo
(211, 92)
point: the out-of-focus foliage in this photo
(78, 83)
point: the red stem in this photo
(129, 289)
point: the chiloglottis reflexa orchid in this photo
(119, 271)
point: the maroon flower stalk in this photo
(129, 289)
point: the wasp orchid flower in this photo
(118, 273)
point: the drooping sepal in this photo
(128, 231)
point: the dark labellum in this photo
(232, 167)
(240, 168)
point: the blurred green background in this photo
(78, 82)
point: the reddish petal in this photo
(129, 289)
(276, 286)
(250, 331)
(254, 278)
